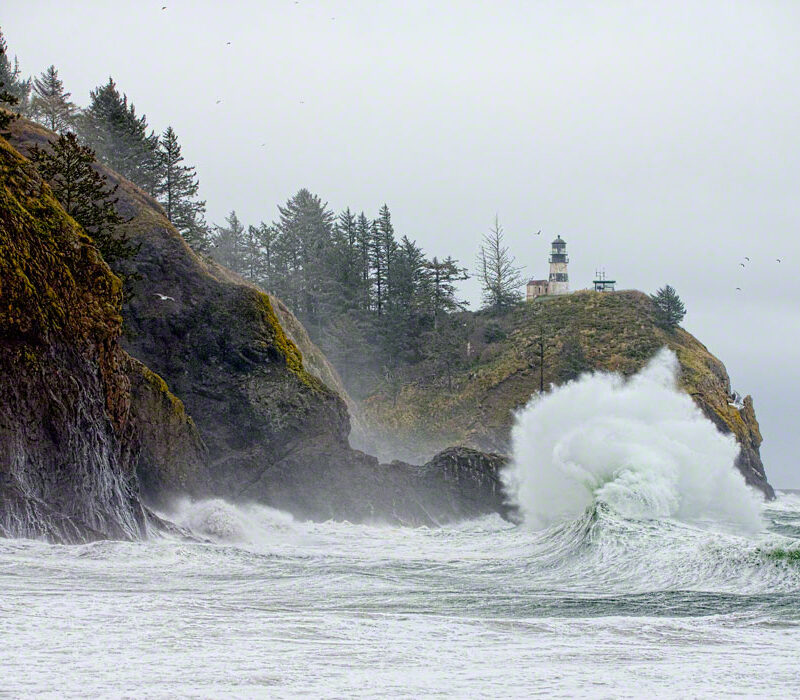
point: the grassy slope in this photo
(610, 332)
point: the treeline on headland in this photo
(368, 296)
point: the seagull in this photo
(736, 401)
(263, 144)
(746, 258)
(218, 101)
(742, 264)
(778, 259)
(163, 297)
(164, 8)
(228, 43)
(539, 232)
(738, 289)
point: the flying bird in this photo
(218, 101)
(228, 43)
(778, 259)
(742, 264)
(738, 289)
(746, 258)
(164, 8)
(164, 297)
(263, 144)
(539, 232)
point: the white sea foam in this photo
(639, 445)
(225, 522)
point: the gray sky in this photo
(660, 139)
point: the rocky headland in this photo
(214, 389)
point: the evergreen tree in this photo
(364, 248)
(269, 267)
(305, 228)
(440, 277)
(50, 104)
(252, 255)
(229, 244)
(121, 139)
(378, 266)
(500, 279)
(176, 191)
(669, 308)
(68, 167)
(390, 246)
(12, 82)
(7, 102)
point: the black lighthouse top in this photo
(558, 253)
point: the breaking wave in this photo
(638, 446)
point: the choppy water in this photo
(644, 568)
(600, 606)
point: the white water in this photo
(638, 583)
(640, 446)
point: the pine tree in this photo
(669, 309)
(50, 104)
(229, 244)
(500, 279)
(364, 247)
(176, 190)
(268, 266)
(389, 244)
(68, 167)
(7, 102)
(305, 228)
(347, 263)
(378, 266)
(440, 277)
(252, 255)
(121, 139)
(12, 82)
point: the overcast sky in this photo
(660, 139)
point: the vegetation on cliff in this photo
(67, 471)
(503, 361)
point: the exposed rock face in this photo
(584, 331)
(254, 421)
(67, 462)
(172, 455)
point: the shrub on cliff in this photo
(669, 307)
(68, 167)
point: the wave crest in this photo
(640, 446)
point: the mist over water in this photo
(639, 446)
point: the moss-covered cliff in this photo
(223, 402)
(582, 331)
(67, 457)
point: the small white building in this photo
(558, 283)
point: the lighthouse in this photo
(559, 279)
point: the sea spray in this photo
(638, 445)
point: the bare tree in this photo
(500, 278)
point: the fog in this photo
(660, 142)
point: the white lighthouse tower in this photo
(559, 279)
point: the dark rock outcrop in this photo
(223, 403)
(67, 458)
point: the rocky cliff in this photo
(580, 332)
(67, 455)
(223, 402)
